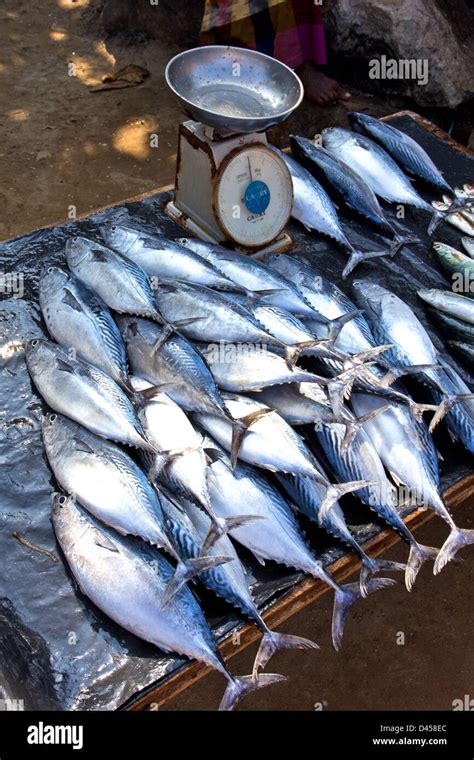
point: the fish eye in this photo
(53, 417)
(74, 238)
(61, 501)
(35, 342)
(50, 269)
(114, 227)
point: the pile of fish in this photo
(201, 400)
(358, 168)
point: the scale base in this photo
(279, 245)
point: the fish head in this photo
(335, 137)
(369, 295)
(55, 431)
(69, 521)
(39, 354)
(118, 236)
(77, 250)
(360, 120)
(52, 280)
(281, 263)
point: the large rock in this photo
(416, 30)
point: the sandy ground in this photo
(66, 150)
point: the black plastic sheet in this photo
(57, 651)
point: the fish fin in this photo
(354, 426)
(370, 566)
(220, 526)
(261, 560)
(339, 388)
(419, 554)
(260, 295)
(358, 257)
(396, 373)
(185, 322)
(345, 597)
(188, 569)
(81, 445)
(163, 459)
(336, 325)
(99, 255)
(102, 541)
(399, 241)
(458, 538)
(418, 409)
(239, 686)
(240, 427)
(446, 405)
(63, 366)
(70, 300)
(272, 642)
(160, 342)
(398, 482)
(364, 356)
(333, 493)
(292, 353)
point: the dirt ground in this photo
(63, 146)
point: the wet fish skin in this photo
(161, 257)
(315, 210)
(83, 393)
(300, 404)
(104, 480)
(454, 262)
(78, 319)
(127, 583)
(346, 184)
(252, 276)
(121, 283)
(455, 218)
(281, 540)
(402, 148)
(239, 368)
(468, 244)
(229, 580)
(455, 304)
(395, 322)
(377, 168)
(452, 327)
(170, 360)
(464, 350)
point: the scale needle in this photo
(250, 169)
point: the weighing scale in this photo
(231, 186)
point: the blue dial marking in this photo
(257, 197)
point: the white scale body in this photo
(234, 190)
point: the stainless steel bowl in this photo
(233, 89)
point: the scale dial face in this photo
(253, 195)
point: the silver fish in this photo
(229, 581)
(361, 462)
(121, 283)
(252, 276)
(408, 452)
(315, 210)
(468, 244)
(83, 393)
(448, 302)
(108, 483)
(77, 318)
(455, 218)
(161, 257)
(127, 583)
(377, 168)
(281, 539)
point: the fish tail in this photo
(220, 526)
(446, 406)
(293, 352)
(272, 642)
(419, 554)
(335, 325)
(186, 570)
(240, 427)
(370, 566)
(239, 686)
(437, 218)
(458, 538)
(354, 426)
(358, 257)
(345, 597)
(399, 241)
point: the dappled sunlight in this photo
(58, 35)
(86, 69)
(89, 148)
(101, 49)
(72, 4)
(18, 114)
(17, 60)
(133, 138)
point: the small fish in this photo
(127, 583)
(108, 483)
(456, 219)
(315, 210)
(464, 350)
(346, 185)
(402, 148)
(468, 244)
(452, 327)
(241, 368)
(121, 283)
(378, 169)
(252, 276)
(229, 580)
(163, 258)
(451, 303)
(281, 539)
(454, 261)
(84, 393)
(78, 319)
